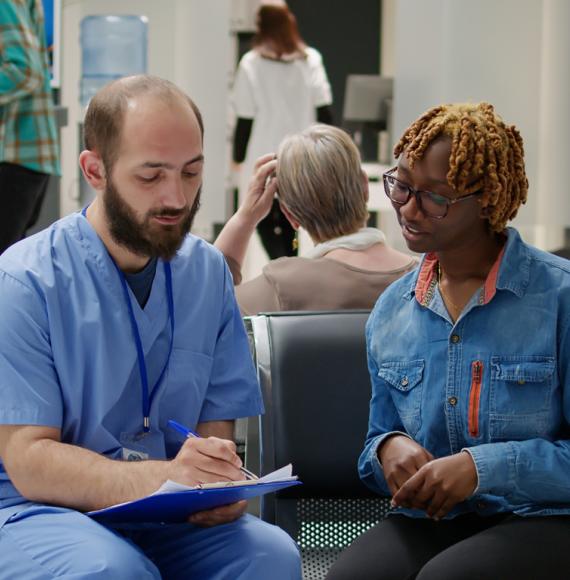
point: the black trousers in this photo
(469, 547)
(276, 233)
(22, 192)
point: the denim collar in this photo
(511, 271)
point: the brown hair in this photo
(277, 29)
(105, 113)
(486, 154)
(320, 182)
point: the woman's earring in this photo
(295, 242)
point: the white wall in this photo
(203, 67)
(189, 43)
(554, 122)
(466, 50)
(387, 37)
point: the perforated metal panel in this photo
(327, 526)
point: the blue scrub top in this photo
(67, 354)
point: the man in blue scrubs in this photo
(115, 320)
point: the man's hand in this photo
(439, 485)
(206, 461)
(401, 457)
(221, 515)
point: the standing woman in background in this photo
(281, 87)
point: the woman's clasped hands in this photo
(417, 480)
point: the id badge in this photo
(140, 446)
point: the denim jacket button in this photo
(452, 401)
(521, 381)
(404, 382)
(455, 338)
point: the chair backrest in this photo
(314, 378)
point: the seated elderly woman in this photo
(318, 178)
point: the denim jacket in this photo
(494, 383)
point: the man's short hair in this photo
(106, 111)
(321, 183)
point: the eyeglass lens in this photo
(431, 203)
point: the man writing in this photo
(114, 321)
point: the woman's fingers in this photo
(262, 160)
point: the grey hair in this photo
(320, 182)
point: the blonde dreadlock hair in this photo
(485, 155)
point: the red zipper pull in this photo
(475, 397)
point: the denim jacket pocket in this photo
(405, 380)
(521, 387)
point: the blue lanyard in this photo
(147, 397)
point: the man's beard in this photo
(146, 238)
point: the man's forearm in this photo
(47, 471)
(70, 476)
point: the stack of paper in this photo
(174, 502)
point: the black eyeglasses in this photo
(432, 204)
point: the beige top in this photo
(315, 284)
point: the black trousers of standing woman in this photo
(276, 234)
(469, 547)
(275, 231)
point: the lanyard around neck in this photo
(147, 397)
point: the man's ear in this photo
(93, 169)
(294, 223)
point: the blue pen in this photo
(189, 433)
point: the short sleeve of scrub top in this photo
(34, 395)
(233, 390)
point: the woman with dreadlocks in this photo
(469, 357)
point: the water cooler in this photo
(112, 46)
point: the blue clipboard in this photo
(175, 507)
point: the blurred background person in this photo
(323, 189)
(281, 87)
(29, 151)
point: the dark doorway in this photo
(347, 34)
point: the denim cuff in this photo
(379, 442)
(370, 468)
(495, 465)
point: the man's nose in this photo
(173, 195)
